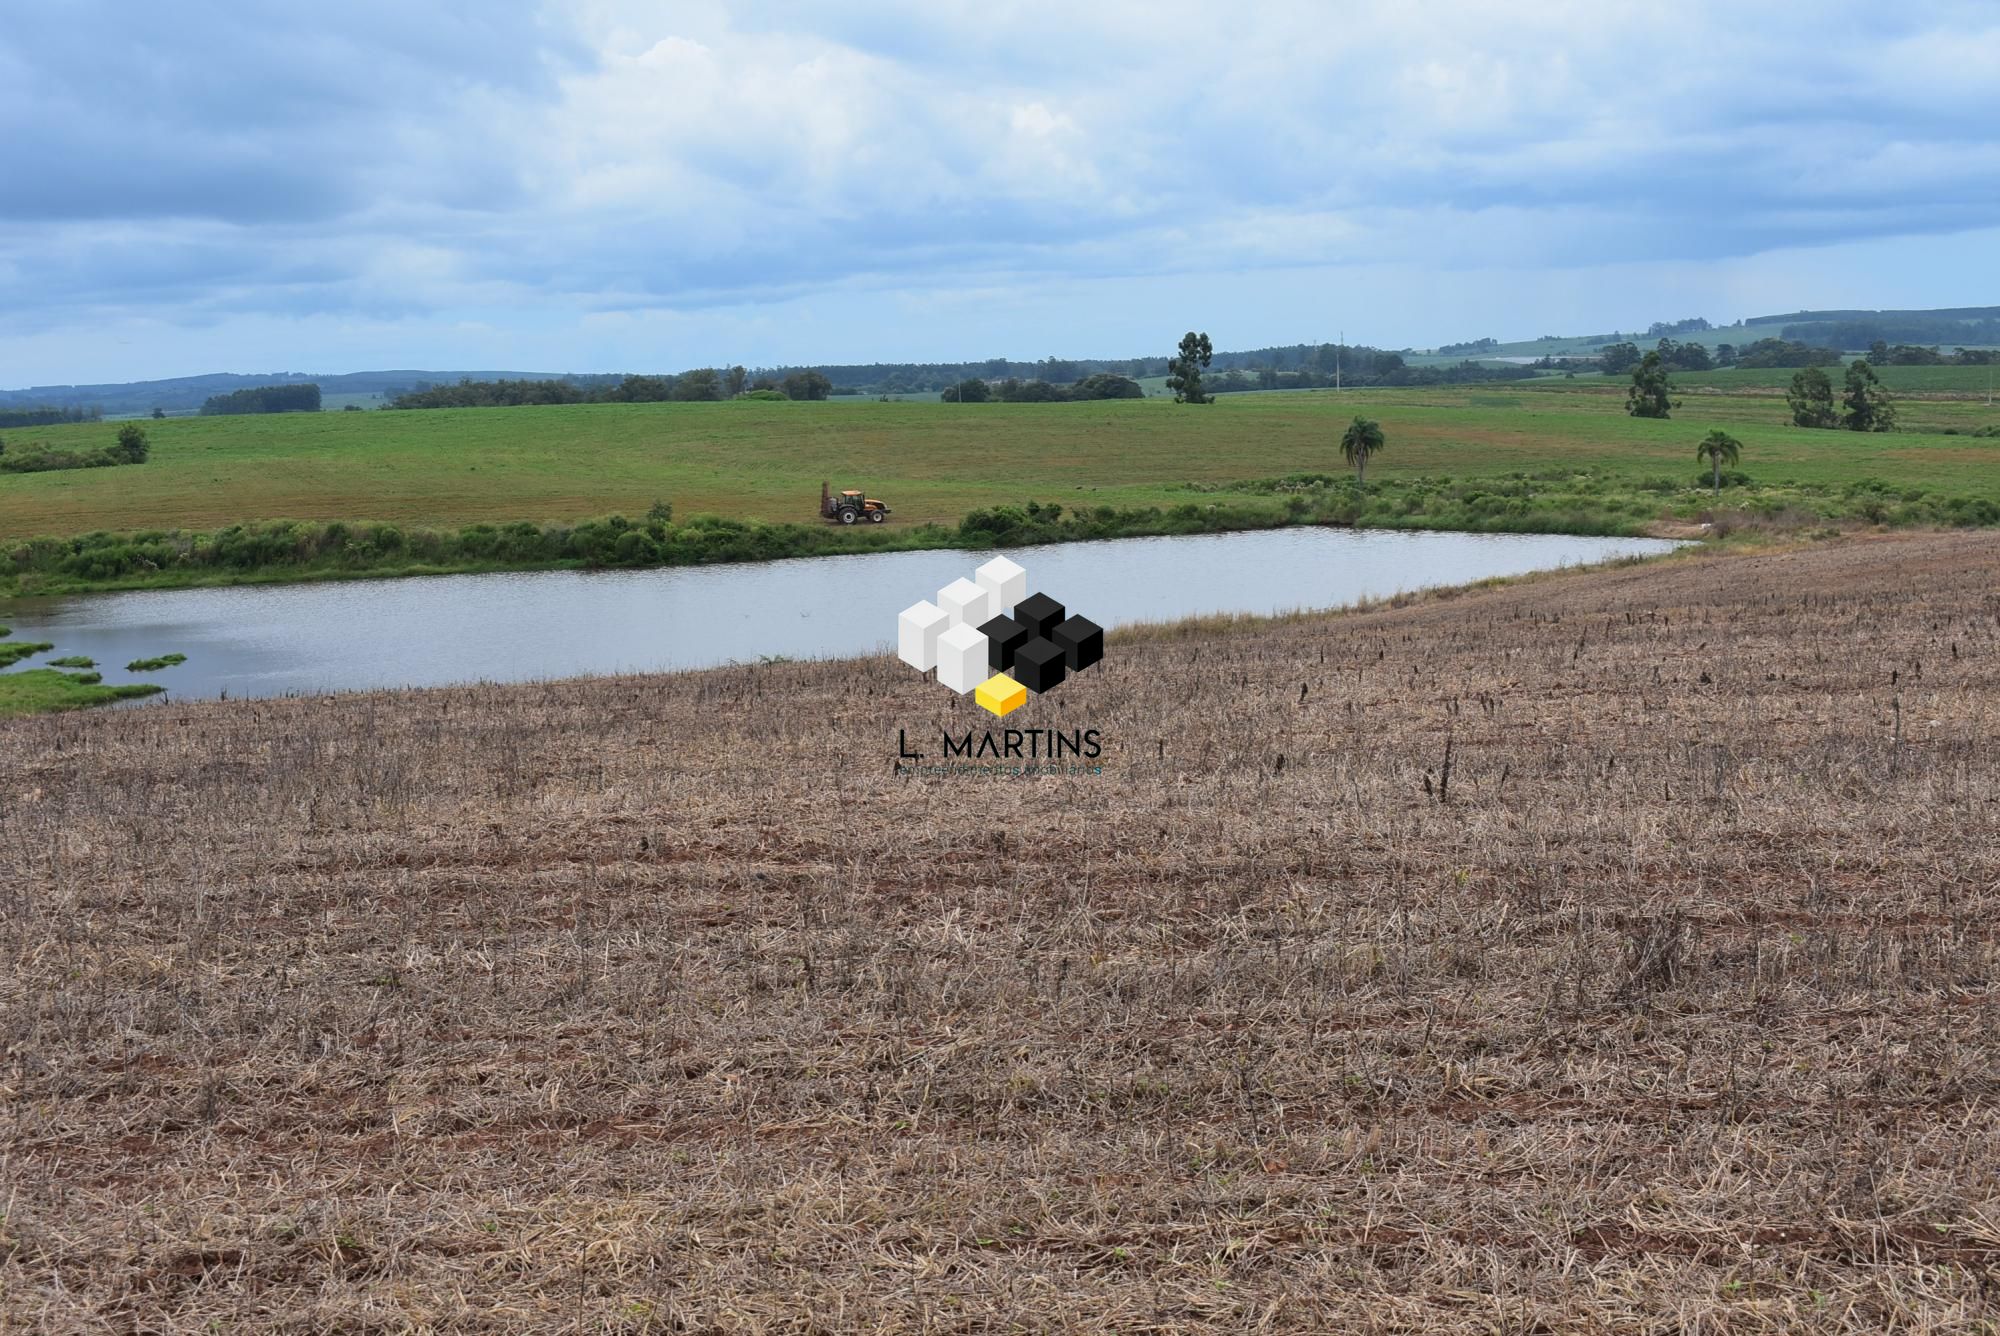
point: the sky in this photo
(609, 185)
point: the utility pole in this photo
(1338, 348)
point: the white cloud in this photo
(527, 166)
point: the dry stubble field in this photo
(657, 1004)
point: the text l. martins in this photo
(1011, 744)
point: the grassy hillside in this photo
(932, 461)
(1607, 953)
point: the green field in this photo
(393, 492)
(930, 461)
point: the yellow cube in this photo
(1001, 694)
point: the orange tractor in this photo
(850, 507)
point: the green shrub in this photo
(130, 448)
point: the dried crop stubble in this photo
(654, 1001)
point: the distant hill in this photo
(1856, 330)
(184, 394)
(1960, 313)
(1852, 331)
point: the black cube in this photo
(1082, 642)
(1040, 614)
(1038, 665)
(1003, 635)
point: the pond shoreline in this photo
(927, 538)
(515, 626)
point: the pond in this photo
(274, 640)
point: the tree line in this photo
(48, 417)
(1617, 359)
(263, 399)
(1388, 371)
(1620, 358)
(1862, 330)
(1014, 390)
(701, 385)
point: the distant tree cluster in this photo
(1865, 406)
(47, 417)
(805, 385)
(1389, 371)
(263, 399)
(1910, 354)
(1767, 353)
(1663, 328)
(496, 393)
(1619, 358)
(701, 385)
(1471, 349)
(1013, 390)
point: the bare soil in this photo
(1608, 952)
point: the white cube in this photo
(967, 603)
(961, 658)
(1005, 580)
(917, 632)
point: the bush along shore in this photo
(282, 550)
(1560, 501)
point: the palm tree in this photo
(1719, 448)
(1359, 443)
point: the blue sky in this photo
(261, 185)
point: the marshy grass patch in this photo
(73, 661)
(50, 691)
(14, 651)
(154, 665)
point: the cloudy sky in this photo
(258, 185)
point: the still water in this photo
(282, 639)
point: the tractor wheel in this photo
(876, 517)
(848, 517)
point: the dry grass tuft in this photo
(662, 1003)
